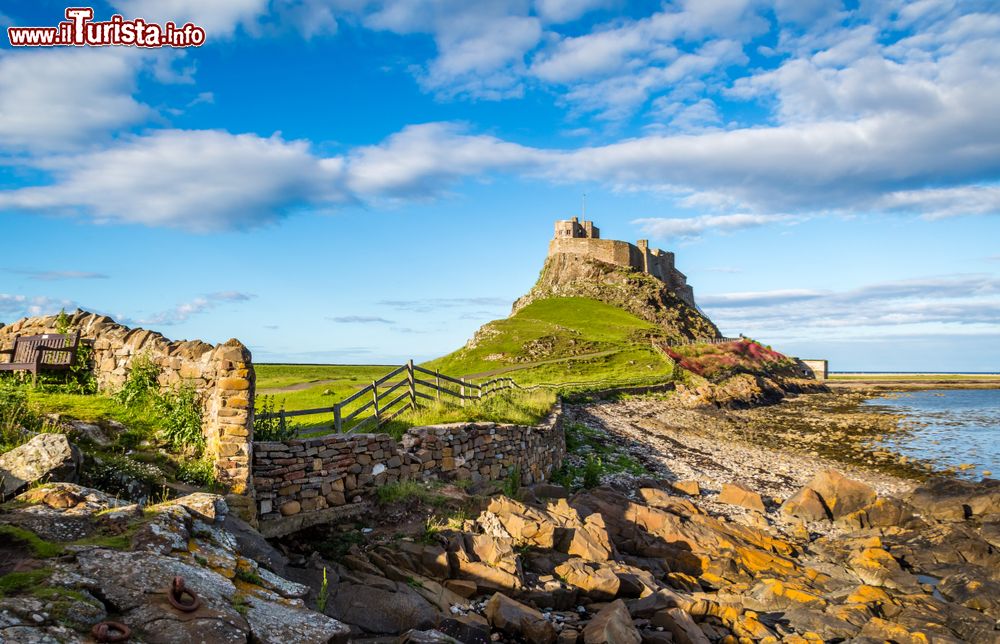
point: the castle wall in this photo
(659, 264)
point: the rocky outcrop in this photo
(831, 495)
(90, 558)
(46, 457)
(638, 293)
(658, 568)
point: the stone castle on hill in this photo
(583, 239)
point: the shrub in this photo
(180, 416)
(140, 384)
(16, 418)
(592, 472)
(199, 472)
(123, 476)
(271, 429)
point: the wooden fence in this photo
(385, 399)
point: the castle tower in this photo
(573, 229)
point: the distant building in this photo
(814, 368)
(573, 237)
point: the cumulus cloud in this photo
(60, 98)
(184, 311)
(201, 181)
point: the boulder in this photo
(733, 494)
(806, 505)
(680, 625)
(45, 458)
(599, 582)
(516, 619)
(612, 624)
(882, 513)
(381, 611)
(273, 622)
(689, 487)
(951, 500)
(841, 495)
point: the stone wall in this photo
(304, 482)
(817, 368)
(222, 375)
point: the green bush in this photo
(16, 418)
(179, 413)
(141, 383)
(271, 429)
(199, 472)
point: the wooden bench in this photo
(33, 353)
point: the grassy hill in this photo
(562, 340)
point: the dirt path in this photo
(529, 365)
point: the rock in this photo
(381, 611)
(659, 499)
(807, 505)
(208, 507)
(840, 494)
(680, 625)
(468, 629)
(952, 500)
(599, 582)
(689, 487)
(972, 591)
(278, 623)
(289, 508)
(735, 495)
(591, 540)
(461, 587)
(44, 458)
(517, 619)
(612, 624)
(89, 432)
(882, 513)
(433, 636)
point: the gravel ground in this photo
(680, 444)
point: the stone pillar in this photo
(228, 425)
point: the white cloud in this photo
(18, 306)
(219, 19)
(480, 46)
(687, 227)
(196, 180)
(557, 11)
(422, 159)
(60, 98)
(939, 304)
(938, 203)
(53, 276)
(184, 311)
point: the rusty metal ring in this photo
(175, 595)
(111, 632)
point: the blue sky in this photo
(356, 181)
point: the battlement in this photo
(573, 229)
(584, 240)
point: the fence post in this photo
(378, 421)
(337, 423)
(437, 384)
(461, 391)
(413, 385)
(282, 422)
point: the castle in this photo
(583, 239)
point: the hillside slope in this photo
(562, 339)
(642, 295)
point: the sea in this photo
(952, 428)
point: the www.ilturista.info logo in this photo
(79, 30)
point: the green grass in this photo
(564, 340)
(38, 546)
(15, 582)
(569, 344)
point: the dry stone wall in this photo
(304, 482)
(222, 375)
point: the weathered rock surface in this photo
(612, 624)
(125, 568)
(46, 457)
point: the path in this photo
(529, 365)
